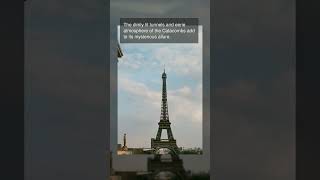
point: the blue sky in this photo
(139, 91)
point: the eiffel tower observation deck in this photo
(164, 123)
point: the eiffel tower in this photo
(164, 124)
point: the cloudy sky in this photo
(139, 96)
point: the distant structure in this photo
(164, 123)
(124, 147)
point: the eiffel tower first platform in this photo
(164, 124)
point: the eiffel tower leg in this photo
(159, 134)
(169, 132)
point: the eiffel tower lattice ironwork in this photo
(164, 123)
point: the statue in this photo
(124, 147)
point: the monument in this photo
(124, 147)
(165, 163)
(164, 123)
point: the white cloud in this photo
(184, 91)
(133, 60)
(183, 108)
(139, 90)
(184, 59)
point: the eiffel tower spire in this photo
(164, 105)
